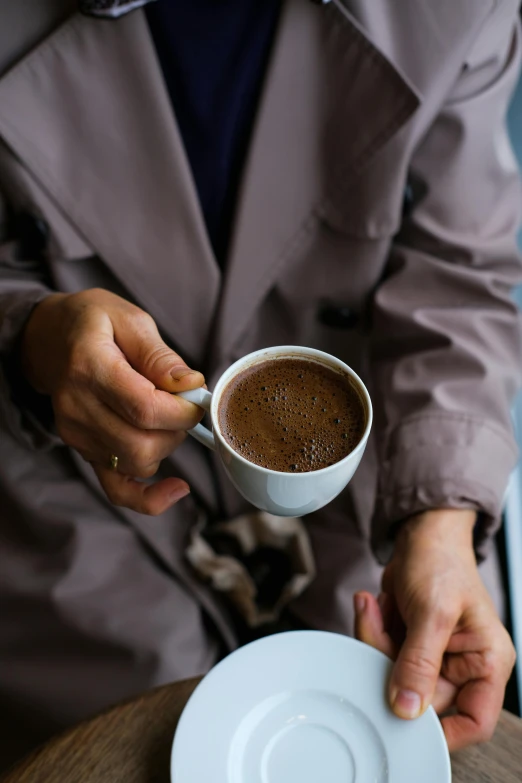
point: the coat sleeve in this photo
(447, 353)
(27, 416)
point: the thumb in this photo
(417, 669)
(149, 355)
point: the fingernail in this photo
(179, 372)
(406, 704)
(360, 603)
(178, 494)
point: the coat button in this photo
(337, 316)
(32, 233)
(414, 192)
(407, 201)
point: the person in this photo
(183, 183)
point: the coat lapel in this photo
(88, 113)
(333, 97)
(318, 59)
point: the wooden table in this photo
(131, 744)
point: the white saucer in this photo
(304, 707)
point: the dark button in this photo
(337, 316)
(32, 234)
(407, 201)
(414, 192)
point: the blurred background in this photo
(510, 540)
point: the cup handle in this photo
(203, 398)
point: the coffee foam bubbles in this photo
(291, 415)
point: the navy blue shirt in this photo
(214, 54)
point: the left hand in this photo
(436, 618)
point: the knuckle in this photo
(92, 298)
(78, 300)
(442, 618)
(67, 408)
(508, 652)
(78, 369)
(492, 661)
(488, 663)
(62, 405)
(134, 453)
(142, 320)
(419, 664)
(87, 295)
(141, 413)
(157, 357)
(143, 456)
(147, 471)
(435, 609)
(430, 610)
(501, 654)
(149, 455)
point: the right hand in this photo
(437, 620)
(111, 379)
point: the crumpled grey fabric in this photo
(110, 8)
(230, 570)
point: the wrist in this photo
(35, 350)
(439, 526)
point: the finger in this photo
(371, 629)
(139, 466)
(479, 704)
(151, 499)
(103, 433)
(140, 454)
(138, 337)
(416, 672)
(493, 663)
(135, 398)
(483, 650)
(463, 667)
(369, 624)
(445, 696)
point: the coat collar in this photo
(339, 87)
(305, 146)
(88, 114)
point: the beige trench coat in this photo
(376, 220)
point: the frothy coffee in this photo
(292, 415)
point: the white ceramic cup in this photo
(282, 494)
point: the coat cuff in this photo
(26, 415)
(443, 461)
